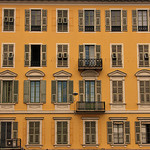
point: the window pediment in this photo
(89, 73)
(117, 73)
(7, 73)
(143, 73)
(62, 73)
(35, 73)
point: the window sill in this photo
(90, 145)
(117, 103)
(62, 103)
(7, 103)
(34, 106)
(34, 103)
(144, 145)
(118, 145)
(62, 106)
(62, 145)
(143, 103)
(33, 145)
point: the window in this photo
(62, 55)
(35, 20)
(62, 91)
(8, 55)
(89, 20)
(143, 51)
(145, 133)
(62, 21)
(8, 19)
(116, 55)
(35, 55)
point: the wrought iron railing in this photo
(142, 28)
(35, 63)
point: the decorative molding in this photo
(117, 73)
(35, 73)
(31, 106)
(90, 118)
(89, 73)
(62, 73)
(143, 118)
(62, 106)
(62, 118)
(7, 106)
(7, 118)
(143, 73)
(34, 118)
(118, 118)
(62, 145)
(8, 73)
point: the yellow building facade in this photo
(75, 74)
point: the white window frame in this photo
(57, 19)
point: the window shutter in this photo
(120, 91)
(80, 12)
(98, 90)
(15, 130)
(27, 20)
(5, 54)
(109, 132)
(70, 91)
(124, 20)
(11, 53)
(107, 20)
(81, 51)
(127, 132)
(81, 90)
(44, 20)
(43, 91)
(59, 125)
(98, 51)
(26, 56)
(134, 20)
(26, 91)
(15, 89)
(137, 132)
(54, 91)
(149, 20)
(142, 97)
(65, 132)
(0, 91)
(43, 55)
(98, 20)
(114, 91)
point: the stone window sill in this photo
(62, 103)
(33, 145)
(90, 145)
(118, 145)
(34, 103)
(143, 103)
(117, 103)
(62, 145)
(7, 103)
(144, 145)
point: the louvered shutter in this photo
(98, 90)
(120, 91)
(81, 90)
(147, 93)
(5, 54)
(44, 59)
(149, 20)
(81, 61)
(109, 132)
(70, 91)
(10, 55)
(80, 12)
(43, 91)
(93, 132)
(59, 135)
(26, 91)
(0, 91)
(134, 20)
(98, 20)
(65, 132)
(124, 20)
(54, 91)
(127, 132)
(65, 55)
(114, 91)
(107, 21)
(137, 132)
(87, 132)
(27, 20)
(44, 20)
(15, 130)
(27, 56)
(142, 96)
(98, 51)
(15, 90)
(119, 55)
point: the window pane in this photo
(62, 91)
(7, 92)
(116, 18)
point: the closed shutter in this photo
(142, 96)
(44, 59)
(65, 55)
(124, 20)
(98, 51)
(81, 61)
(26, 91)
(119, 55)
(10, 55)
(98, 20)
(87, 132)
(107, 21)
(27, 20)
(0, 91)
(98, 90)
(27, 56)
(5, 55)
(59, 56)
(109, 132)
(149, 20)
(81, 90)
(120, 92)
(127, 132)
(15, 90)
(15, 130)
(147, 91)
(65, 132)
(44, 20)
(114, 91)
(134, 20)
(43, 91)
(80, 12)
(59, 135)
(93, 132)
(54, 91)
(70, 91)
(137, 132)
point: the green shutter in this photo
(43, 91)
(127, 132)
(98, 90)
(27, 20)
(109, 132)
(81, 51)
(0, 91)
(44, 56)
(65, 132)
(98, 51)
(70, 91)
(98, 20)
(44, 20)
(15, 130)
(54, 91)
(15, 90)
(107, 20)
(137, 132)
(124, 20)
(134, 20)
(26, 56)
(80, 12)
(26, 91)
(81, 90)
(59, 135)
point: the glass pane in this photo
(37, 100)
(64, 91)
(116, 18)
(59, 91)
(87, 91)
(89, 17)
(36, 17)
(92, 91)
(32, 92)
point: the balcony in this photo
(84, 64)
(90, 107)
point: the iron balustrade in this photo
(142, 28)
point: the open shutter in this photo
(81, 90)
(27, 20)
(15, 90)
(70, 91)
(44, 20)
(134, 20)
(98, 51)
(0, 91)
(26, 91)
(43, 55)
(54, 91)
(109, 132)
(107, 20)
(26, 56)
(98, 90)
(137, 132)
(81, 51)
(149, 20)
(15, 130)
(98, 20)
(43, 91)
(80, 20)
(124, 20)
(127, 132)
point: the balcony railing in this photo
(90, 64)
(90, 107)
(142, 28)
